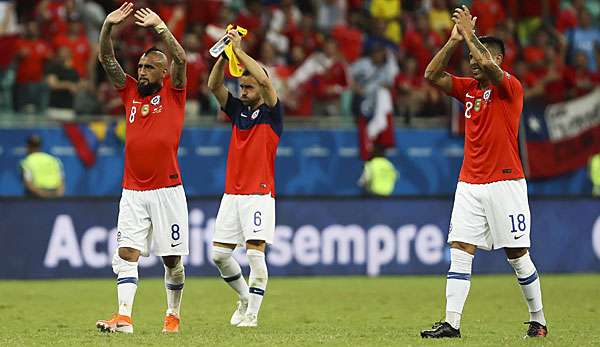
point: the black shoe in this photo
(440, 330)
(536, 330)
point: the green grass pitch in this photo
(326, 311)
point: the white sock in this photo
(457, 285)
(174, 279)
(230, 270)
(127, 279)
(530, 286)
(258, 279)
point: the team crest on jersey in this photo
(477, 105)
(255, 114)
(145, 110)
(155, 100)
(487, 94)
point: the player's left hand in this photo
(235, 38)
(464, 21)
(147, 18)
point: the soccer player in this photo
(153, 208)
(247, 211)
(490, 205)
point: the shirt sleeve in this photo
(179, 94)
(277, 117)
(510, 87)
(459, 87)
(125, 91)
(233, 107)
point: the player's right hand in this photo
(455, 35)
(119, 15)
(235, 38)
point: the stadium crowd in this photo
(313, 50)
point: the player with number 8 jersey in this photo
(153, 215)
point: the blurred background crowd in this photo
(315, 50)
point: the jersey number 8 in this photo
(132, 114)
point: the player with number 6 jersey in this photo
(491, 209)
(247, 212)
(153, 214)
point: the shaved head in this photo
(156, 57)
(152, 69)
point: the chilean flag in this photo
(378, 129)
(561, 137)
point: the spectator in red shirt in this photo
(489, 14)
(55, 15)
(305, 35)
(332, 82)
(32, 54)
(408, 91)
(511, 48)
(78, 43)
(173, 14)
(349, 38)
(421, 42)
(197, 77)
(253, 18)
(8, 42)
(584, 79)
(567, 19)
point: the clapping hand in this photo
(464, 22)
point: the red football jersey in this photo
(254, 138)
(491, 129)
(154, 125)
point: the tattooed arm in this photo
(434, 73)
(146, 18)
(465, 23)
(107, 54)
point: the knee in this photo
(172, 262)
(514, 253)
(219, 256)
(129, 254)
(465, 247)
(120, 265)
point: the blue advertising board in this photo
(309, 162)
(76, 238)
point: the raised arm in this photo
(435, 71)
(147, 18)
(107, 54)
(267, 90)
(464, 21)
(215, 81)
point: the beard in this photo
(146, 89)
(250, 102)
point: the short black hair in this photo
(34, 141)
(494, 42)
(153, 49)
